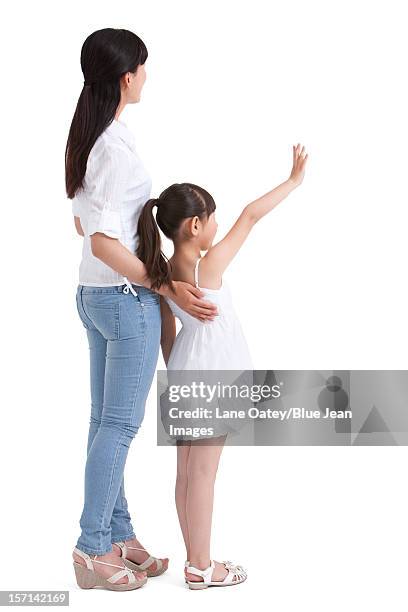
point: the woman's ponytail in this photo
(149, 247)
(106, 56)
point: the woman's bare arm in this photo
(168, 329)
(112, 252)
(220, 255)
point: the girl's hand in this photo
(299, 163)
(189, 299)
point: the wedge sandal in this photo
(87, 578)
(146, 565)
(236, 575)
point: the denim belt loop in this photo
(129, 287)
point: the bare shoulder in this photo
(209, 274)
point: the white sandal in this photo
(236, 575)
(87, 578)
(143, 567)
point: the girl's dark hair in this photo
(176, 203)
(106, 55)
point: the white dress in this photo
(215, 345)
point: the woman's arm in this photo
(107, 182)
(78, 226)
(168, 329)
(220, 255)
(115, 255)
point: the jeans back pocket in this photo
(84, 320)
(103, 310)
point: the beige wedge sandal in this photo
(160, 568)
(87, 578)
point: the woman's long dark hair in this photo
(176, 203)
(105, 56)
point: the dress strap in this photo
(196, 272)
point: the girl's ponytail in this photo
(176, 203)
(149, 247)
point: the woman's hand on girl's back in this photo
(189, 298)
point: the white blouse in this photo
(116, 186)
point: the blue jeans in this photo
(123, 328)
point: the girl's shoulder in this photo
(202, 276)
(205, 276)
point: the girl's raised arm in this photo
(220, 255)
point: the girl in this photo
(186, 215)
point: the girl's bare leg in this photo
(183, 450)
(202, 465)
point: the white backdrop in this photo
(320, 284)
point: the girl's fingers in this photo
(299, 156)
(295, 155)
(302, 154)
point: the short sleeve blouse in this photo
(116, 186)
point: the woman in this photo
(118, 304)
